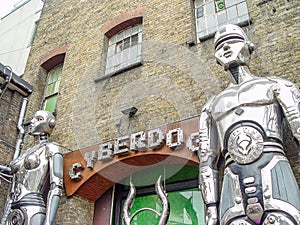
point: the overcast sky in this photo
(6, 6)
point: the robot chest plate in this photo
(249, 94)
(34, 159)
(32, 162)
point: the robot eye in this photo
(40, 118)
(233, 38)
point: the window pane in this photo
(210, 8)
(201, 25)
(231, 13)
(126, 43)
(187, 207)
(134, 39)
(112, 40)
(110, 50)
(140, 38)
(139, 49)
(229, 3)
(135, 29)
(244, 18)
(119, 47)
(117, 59)
(199, 12)
(221, 18)
(202, 33)
(133, 52)
(51, 89)
(211, 21)
(56, 89)
(125, 55)
(119, 37)
(127, 33)
(50, 104)
(234, 21)
(54, 74)
(242, 9)
(198, 3)
(109, 63)
(212, 30)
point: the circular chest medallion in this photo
(245, 144)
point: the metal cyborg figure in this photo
(30, 173)
(244, 123)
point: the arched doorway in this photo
(181, 184)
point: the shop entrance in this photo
(186, 204)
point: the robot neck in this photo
(239, 74)
(43, 137)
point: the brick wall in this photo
(172, 84)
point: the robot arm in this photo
(208, 174)
(56, 183)
(288, 96)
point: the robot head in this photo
(232, 47)
(42, 122)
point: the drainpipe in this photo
(16, 155)
(21, 135)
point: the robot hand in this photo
(211, 215)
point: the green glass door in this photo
(186, 208)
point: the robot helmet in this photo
(232, 32)
(42, 122)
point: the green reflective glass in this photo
(50, 89)
(186, 208)
(50, 104)
(54, 74)
(145, 217)
(172, 173)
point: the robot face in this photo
(42, 122)
(232, 47)
(232, 53)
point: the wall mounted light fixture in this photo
(130, 112)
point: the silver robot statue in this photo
(31, 172)
(244, 124)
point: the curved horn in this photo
(128, 204)
(165, 203)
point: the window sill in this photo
(119, 71)
(211, 35)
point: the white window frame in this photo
(209, 17)
(124, 50)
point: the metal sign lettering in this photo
(141, 141)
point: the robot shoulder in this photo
(208, 105)
(282, 82)
(53, 148)
(284, 86)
